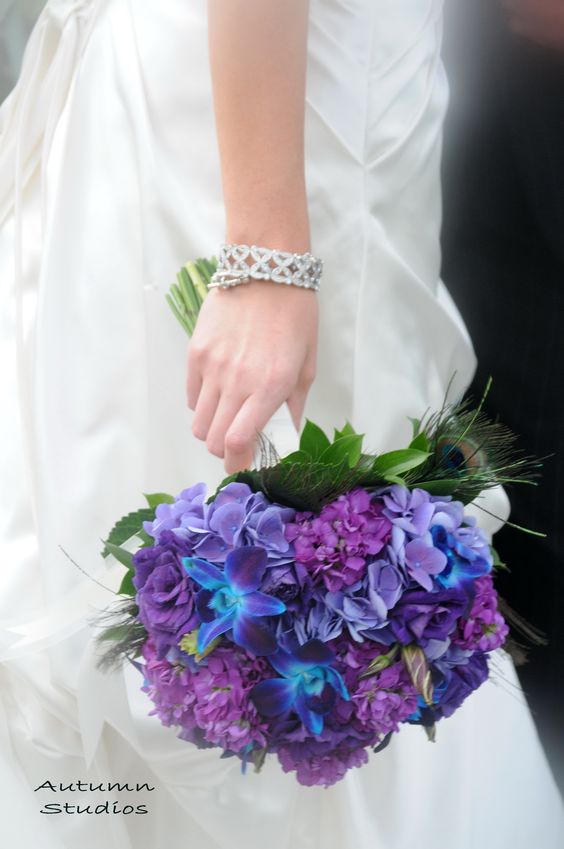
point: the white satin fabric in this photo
(109, 181)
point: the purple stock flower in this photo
(165, 594)
(336, 545)
(420, 616)
(485, 628)
(230, 600)
(384, 700)
(211, 705)
(320, 762)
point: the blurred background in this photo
(503, 246)
(16, 20)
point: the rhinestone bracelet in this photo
(243, 263)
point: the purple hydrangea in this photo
(411, 510)
(336, 545)
(165, 593)
(485, 628)
(237, 516)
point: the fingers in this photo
(241, 436)
(193, 385)
(229, 405)
(206, 407)
(297, 399)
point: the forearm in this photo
(258, 53)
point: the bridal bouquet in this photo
(311, 606)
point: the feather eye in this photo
(465, 456)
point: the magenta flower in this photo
(336, 545)
(485, 628)
(384, 700)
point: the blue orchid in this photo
(230, 600)
(464, 563)
(309, 685)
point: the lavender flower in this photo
(410, 510)
(358, 612)
(237, 516)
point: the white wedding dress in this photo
(109, 181)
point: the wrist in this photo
(273, 221)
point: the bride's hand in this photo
(253, 348)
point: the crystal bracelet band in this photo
(243, 263)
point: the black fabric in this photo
(503, 247)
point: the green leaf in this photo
(296, 457)
(156, 498)
(416, 425)
(344, 449)
(126, 587)
(399, 462)
(381, 662)
(497, 561)
(120, 554)
(446, 486)
(348, 430)
(415, 662)
(420, 443)
(146, 539)
(128, 526)
(313, 440)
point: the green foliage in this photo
(187, 295)
(397, 463)
(126, 586)
(155, 498)
(121, 555)
(381, 662)
(313, 441)
(128, 527)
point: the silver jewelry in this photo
(243, 263)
